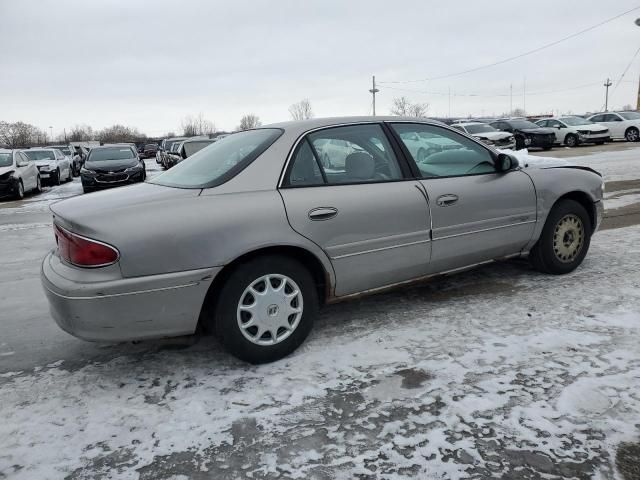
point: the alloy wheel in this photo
(270, 309)
(568, 238)
(632, 135)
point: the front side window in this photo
(597, 118)
(576, 121)
(439, 152)
(221, 161)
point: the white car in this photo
(572, 131)
(52, 164)
(488, 134)
(18, 174)
(620, 124)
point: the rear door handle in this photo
(323, 213)
(446, 200)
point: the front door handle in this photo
(446, 200)
(323, 213)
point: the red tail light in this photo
(82, 251)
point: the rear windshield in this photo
(40, 154)
(192, 147)
(115, 153)
(220, 162)
(5, 160)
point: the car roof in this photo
(465, 124)
(112, 145)
(6, 150)
(41, 149)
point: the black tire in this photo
(519, 142)
(20, 191)
(599, 143)
(225, 311)
(38, 185)
(632, 134)
(571, 140)
(547, 148)
(56, 178)
(86, 190)
(543, 255)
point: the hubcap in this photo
(270, 309)
(632, 135)
(568, 238)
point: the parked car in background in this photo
(621, 125)
(573, 131)
(186, 148)
(527, 134)
(18, 174)
(53, 165)
(149, 150)
(70, 152)
(167, 144)
(263, 234)
(111, 166)
(488, 134)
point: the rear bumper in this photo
(120, 309)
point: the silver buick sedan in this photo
(250, 236)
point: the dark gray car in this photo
(262, 233)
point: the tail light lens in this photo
(82, 251)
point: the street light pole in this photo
(607, 84)
(51, 132)
(373, 92)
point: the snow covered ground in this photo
(501, 371)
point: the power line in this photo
(625, 71)
(515, 57)
(424, 92)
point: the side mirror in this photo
(22, 164)
(559, 127)
(506, 162)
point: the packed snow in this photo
(497, 372)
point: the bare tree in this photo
(627, 107)
(249, 121)
(20, 134)
(404, 108)
(119, 133)
(81, 133)
(518, 112)
(301, 110)
(192, 126)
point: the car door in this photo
(559, 129)
(477, 213)
(370, 218)
(613, 122)
(28, 171)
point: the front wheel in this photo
(571, 140)
(56, 178)
(20, 191)
(565, 239)
(38, 185)
(265, 309)
(632, 134)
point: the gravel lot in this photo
(496, 372)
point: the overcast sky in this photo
(149, 64)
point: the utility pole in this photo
(638, 100)
(373, 92)
(607, 84)
(65, 135)
(51, 131)
(511, 99)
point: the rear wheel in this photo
(632, 134)
(565, 239)
(265, 309)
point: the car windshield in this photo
(221, 161)
(40, 154)
(576, 121)
(64, 150)
(480, 128)
(5, 159)
(115, 153)
(192, 147)
(521, 124)
(630, 115)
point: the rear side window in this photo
(344, 155)
(221, 161)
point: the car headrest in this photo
(360, 166)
